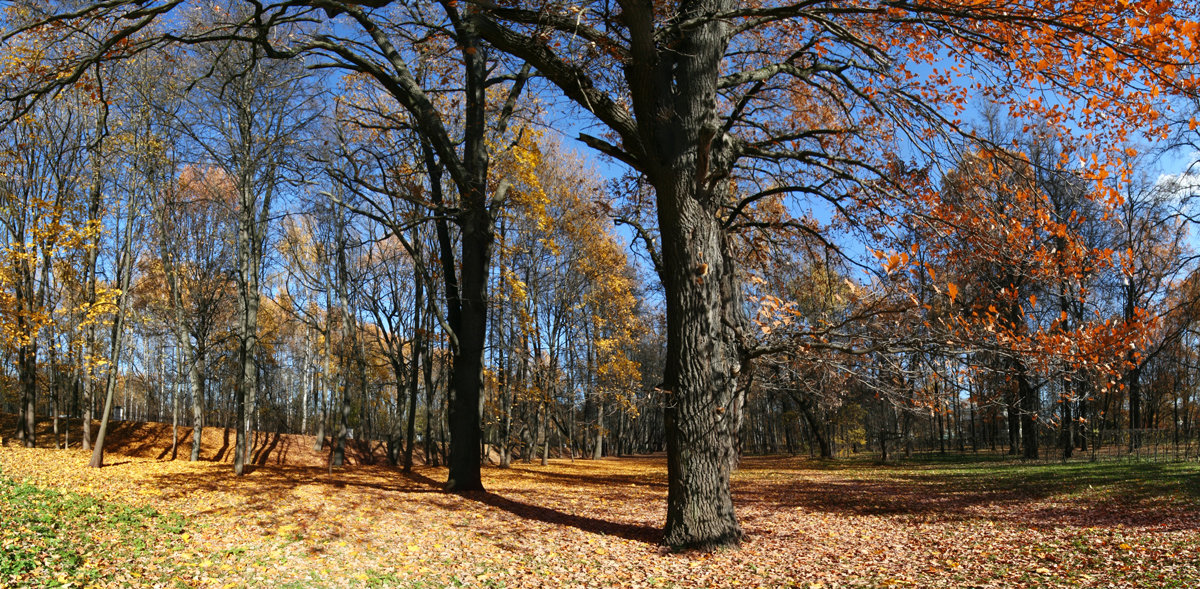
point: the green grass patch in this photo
(1136, 481)
(51, 538)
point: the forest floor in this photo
(145, 520)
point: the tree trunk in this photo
(1133, 383)
(431, 455)
(1012, 397)
(1029, 413)
(197, 383)
(248, 267)
(27, 376)
(466, 399)
(700, 375)
(124, 275)
(175, 408)
(1067, 429)
(96, 192)
(325, 392)
(544, 427)
(817, 427)
(418, 349)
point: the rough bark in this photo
(701, 369)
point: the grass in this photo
(52, 538)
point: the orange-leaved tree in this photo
(719, 104)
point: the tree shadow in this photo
(638, 533)
(172, 449)
(645, 534)
(220, 455)
(131, 438)
(263, 453)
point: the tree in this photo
(702, 97)
(246, 115)
(130, 224)
(193, 220)
(41, 230)
(464, 159)
(1149, 242)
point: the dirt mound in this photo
(153, 440)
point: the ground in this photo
(145, 520)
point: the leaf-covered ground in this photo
(596, 524)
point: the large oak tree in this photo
(720, 104)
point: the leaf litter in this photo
(597, 524)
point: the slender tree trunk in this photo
(96, 192)
(1012, 397)
(418, 350)
(1133, 383)
(817, 427)
(83, 399)
(248, 301)
(444, 447)
(197, 383)
(117, 336)
(27, 379)
(973, 409)
(175, 407)
(507, 409)
(413, 390)
(305, 390)
(55, 393)
(1067, 429)
(431, 454)
(325, 392)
